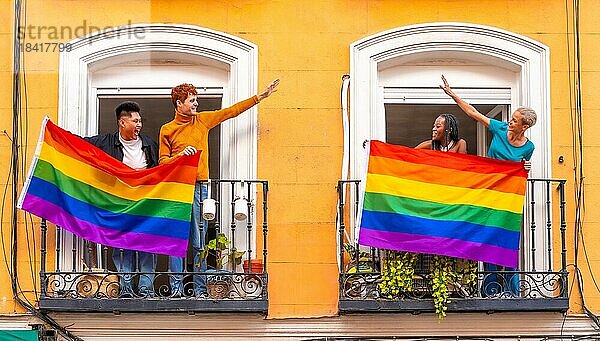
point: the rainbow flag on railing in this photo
(73, 184)
(440, 203)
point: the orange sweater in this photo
(192, 130)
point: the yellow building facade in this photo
(78, 57)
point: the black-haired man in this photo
(138, 152)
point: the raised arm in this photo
(214, 118)
(466, 107)
(271, 88)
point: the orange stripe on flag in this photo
(440, 175)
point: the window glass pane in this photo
(410, 124)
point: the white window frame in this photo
(77, 107)
(492, 46)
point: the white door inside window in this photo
(156, 110)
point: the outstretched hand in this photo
(189, 150)
(446, 87)
(271, 88)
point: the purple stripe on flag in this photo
(105, 236)
(439, 245)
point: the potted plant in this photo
(446, 275)
(225, 256)
(218, 284)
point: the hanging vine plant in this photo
(450, 271)
(446, 274)
(397, 273)
(467, 271)
(441, 275)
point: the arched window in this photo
(395, 95)
(142, 63)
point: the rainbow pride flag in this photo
(77, 186)
(440, 203)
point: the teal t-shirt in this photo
(501, 149)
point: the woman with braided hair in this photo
(445, 136)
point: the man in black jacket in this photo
(138, 152)
(130, 124)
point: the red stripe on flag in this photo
(72, 145)
(455, 161)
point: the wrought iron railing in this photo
(82, 276)
(540, 282)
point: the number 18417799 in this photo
(46, 47)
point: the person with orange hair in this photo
(185, 135)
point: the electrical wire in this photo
(29, 228)
(21, 166)
(571, 288)
(578, 171)
(6, 256)
(31, 248)
(16, 106)
(588, 262)
(574, 141)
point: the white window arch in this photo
(441, 47)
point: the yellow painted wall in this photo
(306, 45)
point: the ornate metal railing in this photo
(82, 276)
(540, 283)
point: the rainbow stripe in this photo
(448, 204)
(77, 186)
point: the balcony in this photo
(540, 284)
(82, 276)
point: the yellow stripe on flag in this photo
(108, 183)
(443, 194)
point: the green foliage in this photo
(467, 272)
(224, 254)
(441, 275)
(397, 273)
(446, 273)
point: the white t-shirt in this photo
(133, 155)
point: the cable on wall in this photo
(16, 139)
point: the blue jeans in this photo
(499, 284)
(147, 263)
(197, 241)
